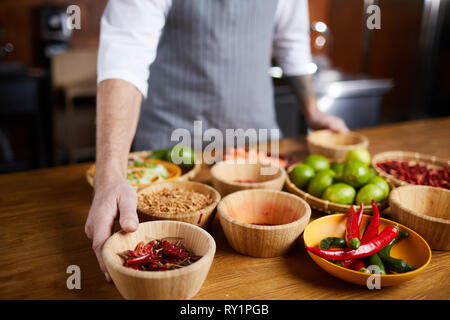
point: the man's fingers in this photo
(127, 210)
(338, 125)
(102, 231)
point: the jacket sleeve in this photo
(129, 37)
(291, 42)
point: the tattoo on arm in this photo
(303, 90)
(302, 86)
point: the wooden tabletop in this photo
(42, 216)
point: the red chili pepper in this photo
(360, 215)
(172, 251)
(158, 256)
(352, 229)
(372, 229)
(347, 262)
(140, 248)
(357, 265)
(137, 261)
(365, 250)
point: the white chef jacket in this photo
(130, 32)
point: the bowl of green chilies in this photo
(366, 250)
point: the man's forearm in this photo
(118, 107)
(306, 96)
(304, 91)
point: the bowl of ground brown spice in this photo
(186, 201)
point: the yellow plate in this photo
(413, 249)
(173, 169)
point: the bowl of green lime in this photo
(332, 187)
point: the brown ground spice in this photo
(173, 201)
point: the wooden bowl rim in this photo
(112, 263)
(180, 184)
(326, 203)
(414, 213)
(191, 174)
(261, 184)
(387, 276)
(364, 141)
(399, 155)
(221, 209)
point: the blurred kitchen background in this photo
(369, 77)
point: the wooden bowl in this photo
(335, 145)
(412, 157)
(225, 173)
(201, 218)
(182, 176)
(325, 205)
(183, 283)
(286, 214)
(413, 249)
(426, 210)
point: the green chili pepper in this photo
(332, 242)
(397, 265)
(364, 270)
(376, 260)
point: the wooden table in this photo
(42, 216)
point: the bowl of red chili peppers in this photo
(161, 260)
(358, 248)
(403, 168)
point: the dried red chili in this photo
(158, 255)
(417, 174)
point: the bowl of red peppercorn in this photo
(162, 260)
(402, 168)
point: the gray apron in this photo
(212, 65)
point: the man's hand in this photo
(110, 202)
(306, 96)
(321, 120)
(118, 106)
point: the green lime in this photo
(320, 182)
(317, 162)
(160, 154)
(181, 155)
(369, 192)
(359, 154)
(301, 174)
(380, 182)
(338, 168)
(340, 193)
(356, 173)
(372, 173)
